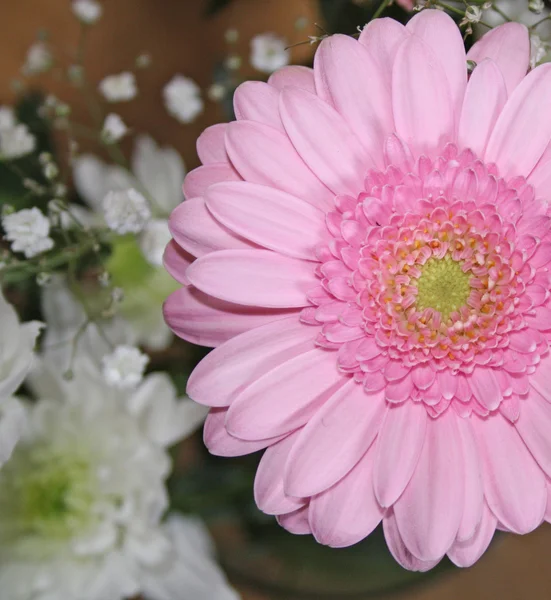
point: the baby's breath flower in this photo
(114, 129)
(39, 59)
(124, 367)
(269, 52)
(216, 92)
(231, 36)
(28, 231)
(473, 14)
(87, 11)
(126, 211)
(183, 99)
(536, 6)
(7, 118)
(143, 61)
(16, 142)
(119, 88)
(234, 62)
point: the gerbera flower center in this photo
(443, 286)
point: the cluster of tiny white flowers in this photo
(269, 52)
(16, 142)
(119, 88)
(7, 118)
(39, 59)
(126, 211)
(182, 98)
(124, 368)
(87, 11)
(28, 230)
(114, 129)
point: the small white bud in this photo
(124, 368)
(536, 6)
(126, 211)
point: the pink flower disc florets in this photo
(437, 270)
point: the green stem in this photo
(501, 13)
(382, 7)
(538, 23)
(17, 272)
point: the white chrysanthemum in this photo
(82, 497)
(7, 118)
(126, 211)
(183, 99)
(124, 367)
(114, 129)
(153, 240)
(538, 50)
(39, 59)
(16, 358)
(87, 11)
(119, 88)
(269, 52)
(16, 141)
(28, 231)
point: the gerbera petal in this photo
(211, 145)
(207, 321)
(269, 217)
(395, 463)
(253, 278)
(295, 75)
(257, 101)
(176, 261)
(421, 100)
(466, 553)
(523, 130)
(474, 495)
(198, 232)
(399, 550)
(347, 512)
(429, 511)
(382, 38)
(439, 31)
(485, 387)
(534, 426)
(342, 165)
(484, 100)
(197, 181)
(286, 397)
(296, 522)
(228, 369)
(268, 483)
(541, 379)
(514, 485)
(509, 47)
(220, 443)
(321, 441)
(348, 78)
(264, 155)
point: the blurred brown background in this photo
(181, 40)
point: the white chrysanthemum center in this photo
(46, 492)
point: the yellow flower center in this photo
(443, 286)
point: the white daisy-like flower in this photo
(538, 49)
(153, 240)
(87, 11)
(83, 495)
(7, 118)
(126, 211)
(39, 59)
(160, 172)
(16, 358)
(119, 88)
(15, 142)
(182, 98)
(28, 230)
(269, 52)
(114, 129)
(124, 367)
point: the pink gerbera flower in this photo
(373, 244)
